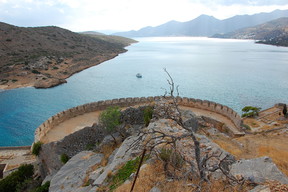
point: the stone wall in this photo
(60, 117)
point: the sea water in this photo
(235, 73)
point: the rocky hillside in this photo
(45, 56)
(109, 162)
(274, 32)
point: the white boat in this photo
(138, 75)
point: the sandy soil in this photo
(70, 126)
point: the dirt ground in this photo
(268, 136)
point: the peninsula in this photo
(44, 57)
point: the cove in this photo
(235, 73)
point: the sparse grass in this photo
(124, 173)
(154, 175)
(107, 150)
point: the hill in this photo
(45, 56)
(273, 32)
(205, 25)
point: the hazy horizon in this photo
(125, 15)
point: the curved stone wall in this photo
(60, 117)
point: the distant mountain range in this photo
(205, 25)
(259, 32)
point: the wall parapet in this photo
(60, 117)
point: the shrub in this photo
(89, 147)
(64, 158)
(124, 172)
(172, 157)
(148, 112)
(110, 119)
(43, 188)
(250, 111)
(35, 71)
(284, 110)
(10, 183)
(36, 148)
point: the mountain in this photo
(258, 32)
(46, 56)
(205, 25)
(274, 32)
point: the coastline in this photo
(59, 76)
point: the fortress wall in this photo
(60, 117)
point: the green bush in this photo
(36, 148)
(250, 111)
(148, 112)
(35, 71)
(124, 172)
(64, 158)
(110, 119)
(43, 188)
(10, 183)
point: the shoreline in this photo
(60, 79)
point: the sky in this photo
(124, 15)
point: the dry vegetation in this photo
(154, 175)
(268, 137)
(48, 54)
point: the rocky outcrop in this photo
(49, 83)
(258, 170)
(74, 175)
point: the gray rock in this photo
(261, 188)
(258, 170)
(192, 123)
(123, 154)
(155, 189)
(72, 175)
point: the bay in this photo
(235, 73)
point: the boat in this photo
(138, 75)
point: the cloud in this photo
(33, 13)
(80, 15)
(242, 2)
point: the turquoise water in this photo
(232, 72)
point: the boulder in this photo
(258, 170)
(123, 154)
(75, 173)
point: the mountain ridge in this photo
(205, 25)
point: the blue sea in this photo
(235, 73)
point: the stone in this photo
(192, 123)
(72, 175)
(258, 170)
(155, 189)
(261, 188)
(123, 154)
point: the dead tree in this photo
(154, 138)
